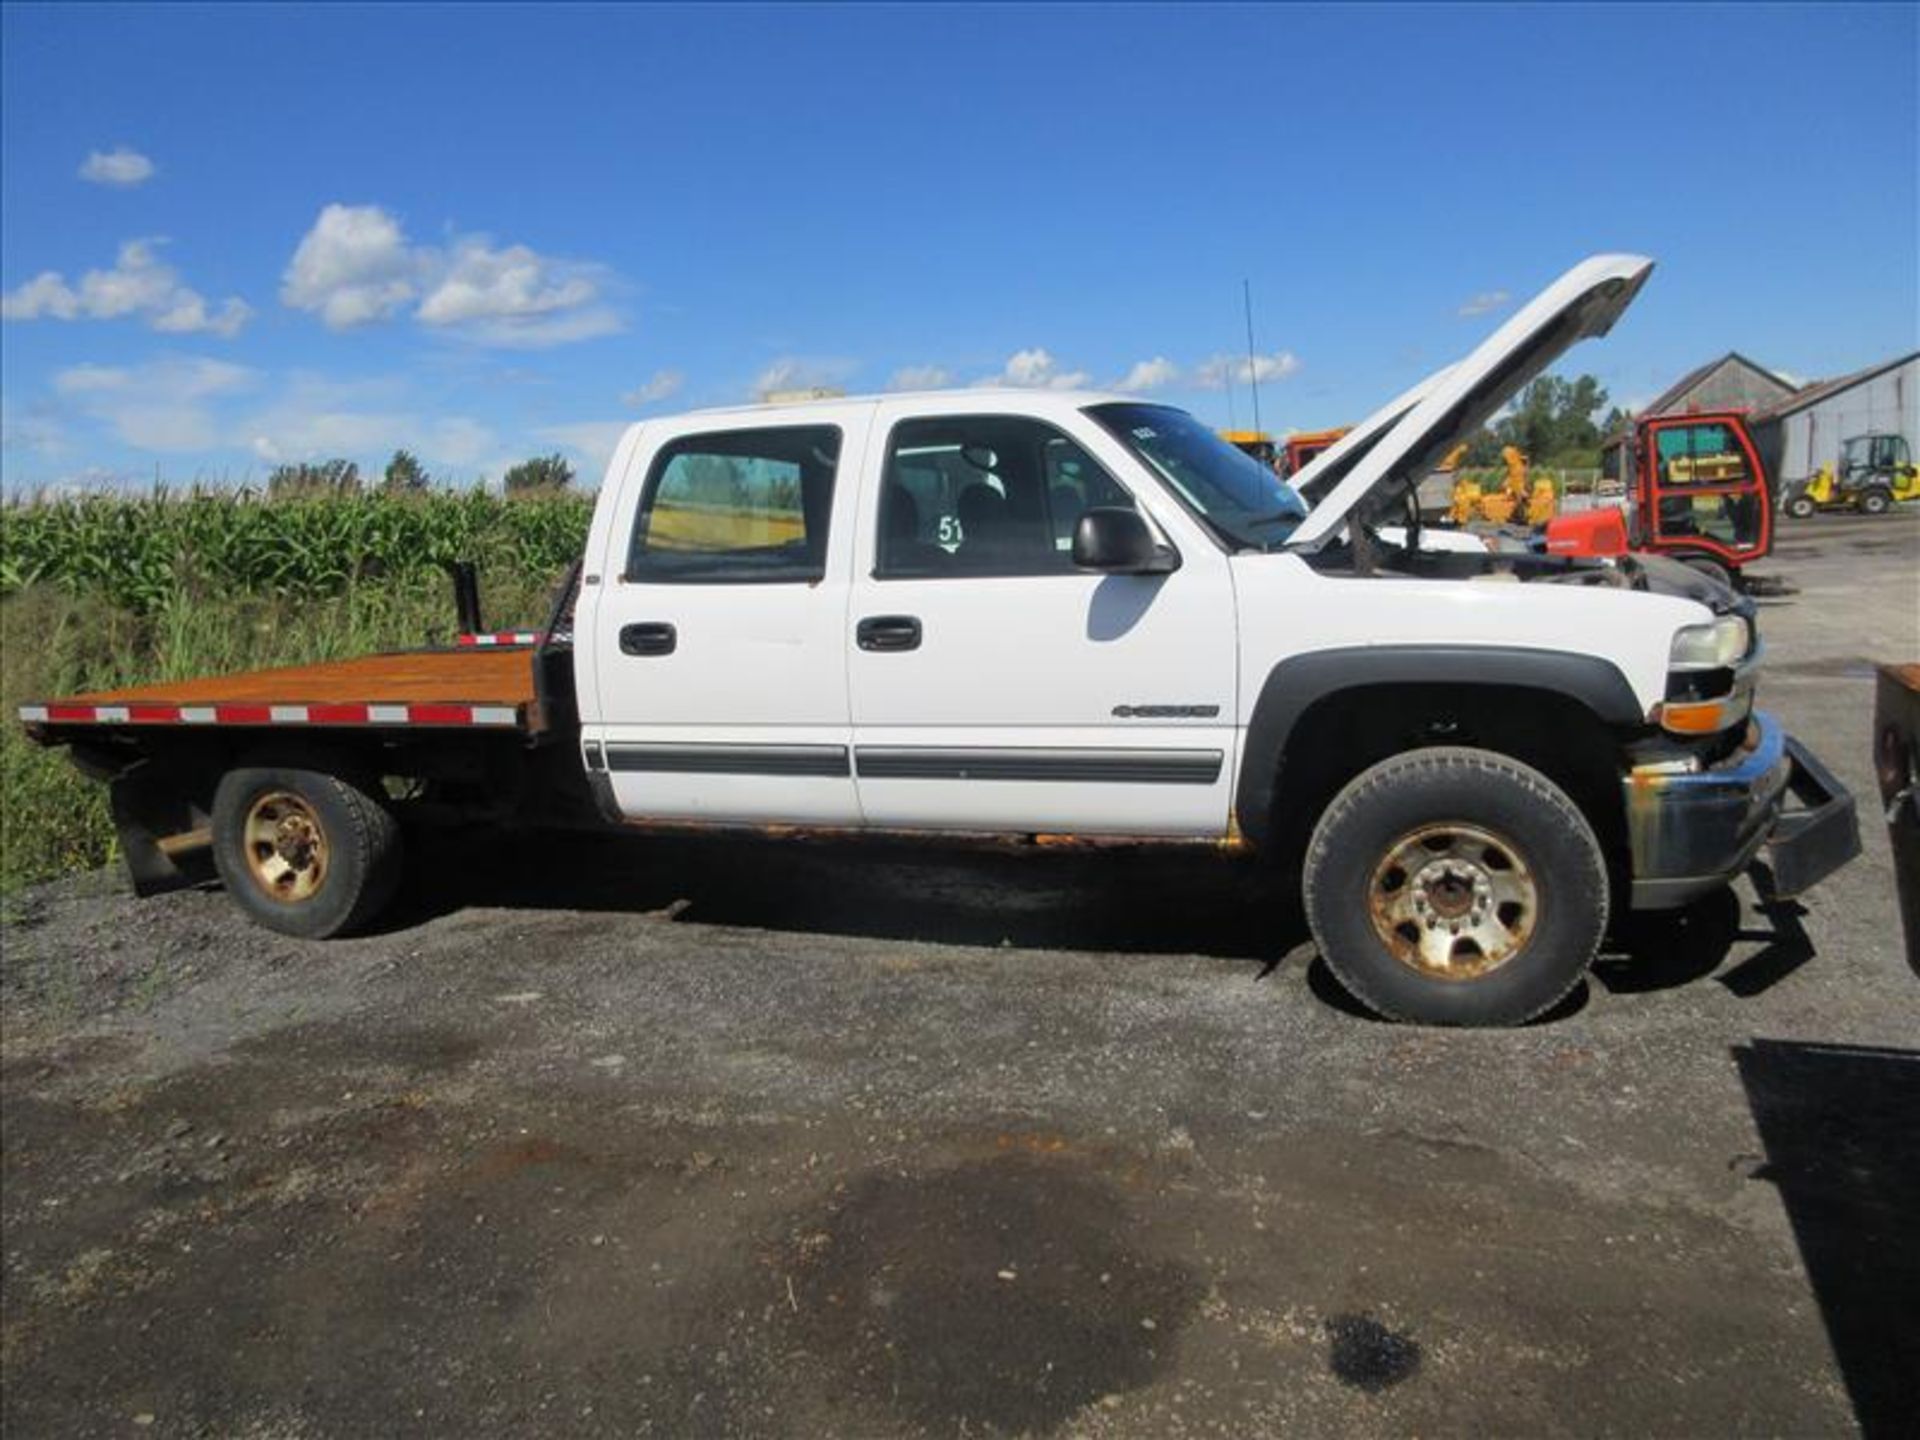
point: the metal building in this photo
(1801, 433)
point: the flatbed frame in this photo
(487, 685)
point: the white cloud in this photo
(1485, 303)
(1154, 374)
(356, 266)
(140, 283)
(122, 166)
(160, 405)
(1216, 372)
(174, 377)
(799, 372)
(591, 442)
(1036, 369)
(511, 284)
(658, 387)
(34, 433)
(353, 266)
(183, 404)
(921, 377)
(316, 417)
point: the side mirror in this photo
(1117, 541)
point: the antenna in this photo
(1253, 374)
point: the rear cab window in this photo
(737, 506)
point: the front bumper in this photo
(1692, 832)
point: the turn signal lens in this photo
(1705, 717)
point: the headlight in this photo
(1715, 646)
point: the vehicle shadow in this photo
(1131, 900)
(1837, 1123)
(1123, 899)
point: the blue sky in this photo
(231, 235)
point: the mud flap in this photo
(1817, 834)
(167, 843)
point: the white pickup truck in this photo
(1032, 613)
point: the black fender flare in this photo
(1299, 682)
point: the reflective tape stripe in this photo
(500, 637)
(147, 714)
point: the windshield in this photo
(1240, 499)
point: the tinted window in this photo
(738, 505)
(985, 495)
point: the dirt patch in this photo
(999, 1296)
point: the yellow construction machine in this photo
(1875, 473)
(1519, 499)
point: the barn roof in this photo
(1825, 389)
(1672, 394)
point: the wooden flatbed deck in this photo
(492, 688)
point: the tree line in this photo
(1555, 422)
(405, 474)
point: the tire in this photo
(337, 848)
(1876, 501)
(1799, 507)
(1533, 872)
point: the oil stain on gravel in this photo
(999, 1296)
(1365, 1355)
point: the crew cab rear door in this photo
(713, 648)
(994, 686)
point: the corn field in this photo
(104, 591)
(139, 552)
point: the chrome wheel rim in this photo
(1453, 901)
(286, 847)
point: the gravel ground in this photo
(699, 1137)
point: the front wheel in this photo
(1799, 507)
(304, 851)
(1455, 886)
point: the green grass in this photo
(105, 592)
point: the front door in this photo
(997, 688)
(717, 689)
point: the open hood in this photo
(1387, 454)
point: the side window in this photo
(1700, 455)
(738, 505)
(970, 495)
(1075, 484)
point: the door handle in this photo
(653, 637)
(889, 632)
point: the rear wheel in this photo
(305, 852)
(1875, 501)
(1456, 886)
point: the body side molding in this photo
(1092, 766)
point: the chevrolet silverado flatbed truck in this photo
(1031, 613)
